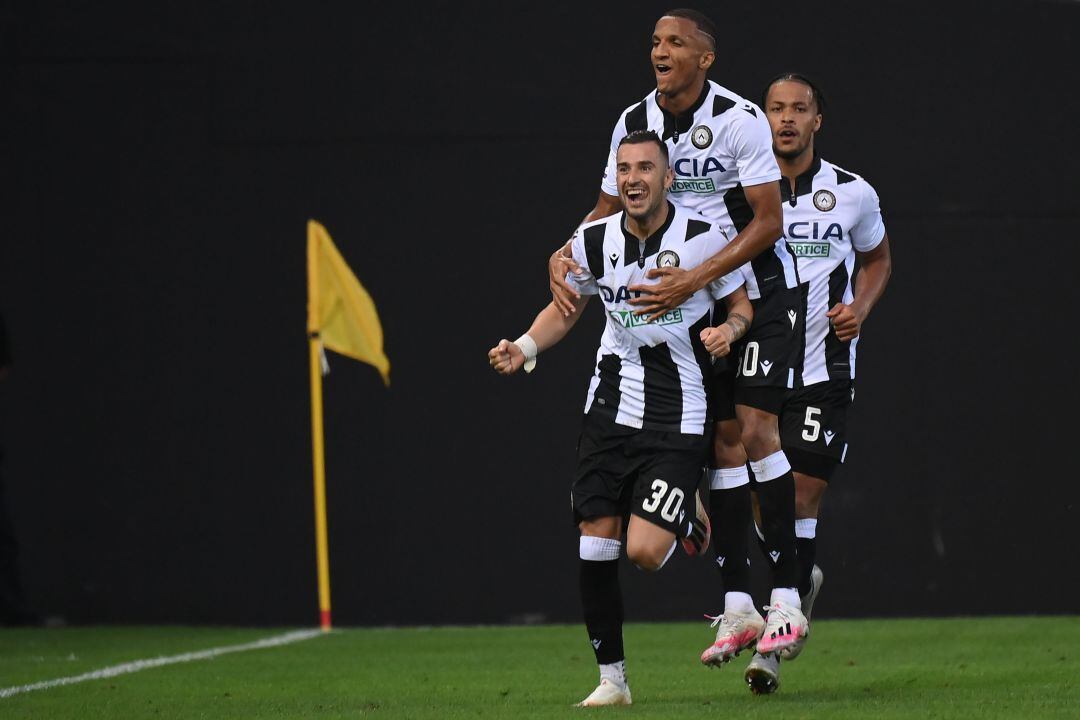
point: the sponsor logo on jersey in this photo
(766, 366)
(701, 186)
(627, 318)
(690, 175)
(668, 258)
(616, 296)
(810, 249)
(824, 200)
(803, 230)
(701, 136)
(829, 435)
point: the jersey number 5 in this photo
(813, 426)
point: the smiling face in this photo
(681, 54)
(643, 178)
(794, 117)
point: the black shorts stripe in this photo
(663, 389)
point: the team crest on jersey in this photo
(667, 259)
(701, 137)
(824, 200)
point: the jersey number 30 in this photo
(671, 507)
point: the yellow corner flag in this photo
(340, 311)
(342, 317)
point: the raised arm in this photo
(549, 327)
(677, 285)
(560, 262)
(875, 267)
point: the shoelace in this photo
(782, 612)
(718, 619)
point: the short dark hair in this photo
(639, 137)
(819, 98)
(703, 23)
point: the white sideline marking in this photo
(137, 665)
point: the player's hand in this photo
(561, 262)
(846, 322)
(718, 340)
(506, 358)
(674, 288)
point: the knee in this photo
(760, 436)
(727, 445)
(650, 557)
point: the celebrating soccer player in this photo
(645, 431)
(721, 154)
(831, 218)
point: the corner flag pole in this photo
(322, 552)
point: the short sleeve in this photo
(713, 242)
(869, 228)
(751, 146)
(584, 283)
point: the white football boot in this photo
(816, 578)
(697, 542)
(785, 625)
(736, 632)
(607, 693)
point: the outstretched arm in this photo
(549, 327)
(561, 262)
(677, 285)
(875, 267)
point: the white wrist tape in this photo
(528, 348)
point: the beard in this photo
(791, 153)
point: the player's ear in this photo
(817, 122)
(706, 60)
(669, 178)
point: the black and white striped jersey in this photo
(650, 375)
(719, 146)
(831, 214)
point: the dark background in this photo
(159, 161)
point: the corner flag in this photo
(342, 317)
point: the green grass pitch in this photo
(1018, 667)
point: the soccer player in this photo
(831, 219)
(721, 154)
(644, 438)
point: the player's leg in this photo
(598, 502)
(601, 601)
(668, 472)
(648, 545)
(814, 436)
(769, 363)
(739, 624)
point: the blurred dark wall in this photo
(160, 161)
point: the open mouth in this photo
(788, 134)
(635, 195)
(663, 70)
